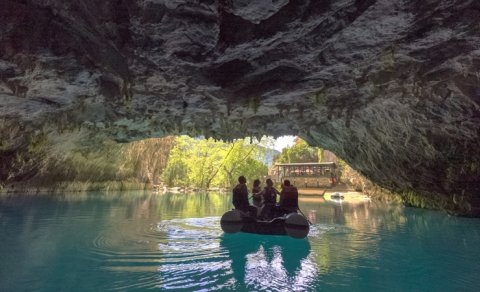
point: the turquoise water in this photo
(141, 241)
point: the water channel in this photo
(134, 241)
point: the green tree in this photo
(300, 152)
(208, 163)
(175, 173)
(245, 159)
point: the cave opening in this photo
(95, 96)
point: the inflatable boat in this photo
(293, 224)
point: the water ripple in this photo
(101, 243)
(194, 254)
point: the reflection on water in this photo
(138, 241)
(276, 262)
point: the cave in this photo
(391, 87)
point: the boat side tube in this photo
(296, 226)
(232, 221)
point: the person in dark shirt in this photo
(288, 198)
(257, 198)
(240, 197)
(269, 194)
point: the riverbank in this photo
(163, 189)
(77, 186)
(106, 186)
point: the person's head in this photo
(242, 179)
(269, 182)
(256, 183)
(286, 183)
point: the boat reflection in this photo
(273, 262)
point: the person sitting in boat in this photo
(240, 197)
(288, 198)
(269, 195)
(257, 198)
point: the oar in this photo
(304, 216)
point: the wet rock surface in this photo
(392, 87)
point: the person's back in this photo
(288, 197)
(256, 193)
(269, 195)
(240, 198)
(240, 195)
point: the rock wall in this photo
(391, 86)
(79, 161)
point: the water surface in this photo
(140, 241)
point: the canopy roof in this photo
(307, 164)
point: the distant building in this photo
(305, 175)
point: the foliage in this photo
(299, 153)
(46, 164)
(205, 163)
(320, 154)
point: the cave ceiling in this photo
(391, 86)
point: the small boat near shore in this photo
(337, 196)
(293, 224)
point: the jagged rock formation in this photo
(391, 86)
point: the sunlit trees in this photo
(205, 163)
(244, 159)
(90, 164)
(299, 153)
